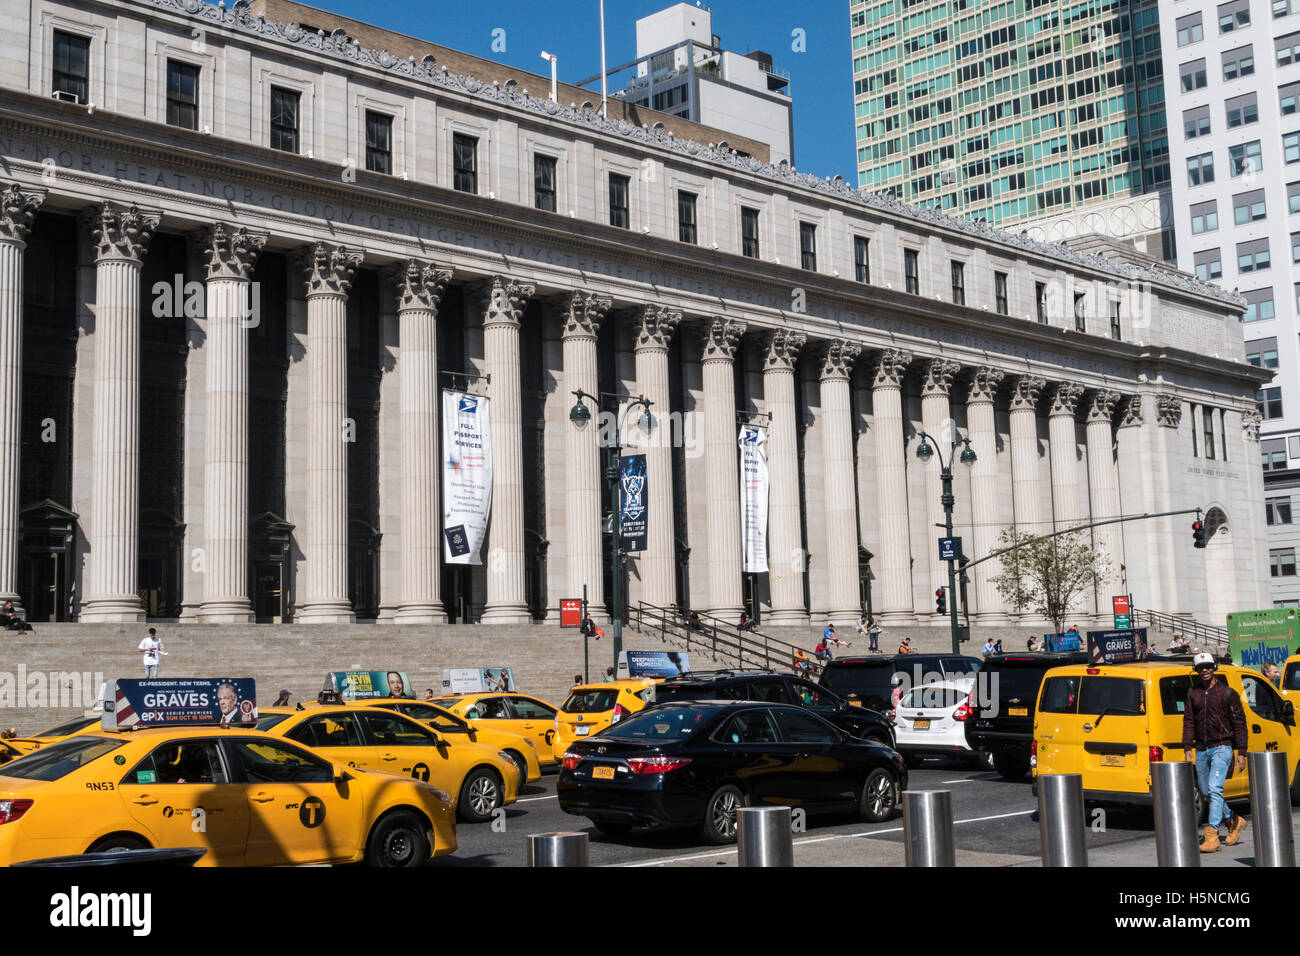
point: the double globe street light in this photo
(925, 451)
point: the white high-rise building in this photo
(1232, 81)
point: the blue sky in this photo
(820, 78)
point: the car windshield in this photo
(590, 701)
(935, 695)
(1292, 679)
(870, 682)
(68, 726)
(267, 721)
(60, 759)
(1017, 680)
(669, 725)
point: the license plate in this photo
(1112, 760)
(582, 730)
(1018, 711)
(603, 773)
(920, 725)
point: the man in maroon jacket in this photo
(1214, 726)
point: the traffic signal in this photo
(940, 602)
(1198, 534)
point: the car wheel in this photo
(720, 814)
(480, 795)
(1010, 766)
(118, 843)
(879, 796)
(612, 829)
(913, 760)
(398, 840)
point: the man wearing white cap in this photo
(1214, 726)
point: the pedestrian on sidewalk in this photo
(1214, 726)
(151, 647)
(282, 700)
(873, 632)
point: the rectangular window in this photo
(912, 271)
(1293, 197)
(958, 270)
(1205, 217)
(464, 163)
(1259, 305)
(1241, 110)
(620, 213)
(808, 246)
(1295, 247)
(1191, 76)
(1040, 301)
(1253, 256)
(1234, 16)
(1248, 207)
(182, 95)
(1000, 292)
(1115, 329)
(1283, 7)
(1291, 147)
(1278, 510)
(1239, 63)
(1269, 402)
(379, 142)
(1287, 49)
(1262, 353)
(1281, 562)
(1196, 122)
(1272, 454)
(1288, 98)
(284, 119)
(686, 231)
(1081, 312)
(1209, 265)
(1193, 430)
(1243, 157)
(71, 79)
(1200, 169)
(1207, 434)
(861, 259)
(749, 232)
(544, 182)
(1189, 29)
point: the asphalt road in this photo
(994, 824)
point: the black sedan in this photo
(692, 764)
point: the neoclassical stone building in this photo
(240, 258)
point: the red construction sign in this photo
(570, 612)
(1120, 603)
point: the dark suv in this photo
(1003, 722)
(870, 680)
(777, 688)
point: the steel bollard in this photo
(927, 828)
(1060, 819)
(763, 836)
(1174, 796)
(1270, 808)
(557, 849)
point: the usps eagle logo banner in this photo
(466, 475)
(753, 497)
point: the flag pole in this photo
(604, 77)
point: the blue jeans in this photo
(1211, 772)
(875, 640)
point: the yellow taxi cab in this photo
(65, 728)
(518, 713)
(1110, 722)
(8, 752)
(481, 779)
(248, 798)
(590, 708)
(1291, 678)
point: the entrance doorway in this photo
(46, 533)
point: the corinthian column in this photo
(1025, 393)
(936, 418)
(418, 287)
(121, 239)
(582, 313)
(503, 302)
(1103, 482)
(654, 326)
(984, 481)
(891, 485)
(719, 342)
(328, 270)
(843, 596)
(785, 561)
(231, 255)
(17, 210)
(1067, 508)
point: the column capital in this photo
(838, 357)
(889, 368)
(781, 348)
(583, 313)
(1132, 412)
(1026, 390)
(18, 207)
(1169, 411)
(1065, 399)
(328, 269)
(938, 376)
(417, 284)
(1101, 406)
(654, 326)
(719, 339)
(984, 382)
(230, 253)
(1250, 422)
(122, 233)
(504, 301)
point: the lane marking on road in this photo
(835, 836)
(549, 796)
(959, 780)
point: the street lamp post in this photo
(579, 414)
(923, 452)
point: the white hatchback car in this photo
(930, 722)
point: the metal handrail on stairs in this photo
(1200, 634)
(721, 638)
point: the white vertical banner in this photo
(753, 496)
(466, 475)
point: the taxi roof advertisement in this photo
(634, 664)
(1256, 637)
(1117, 647)
(179, 702)
(356, 685)
(475, 680)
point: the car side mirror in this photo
(341, 776)
(1288, 712)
